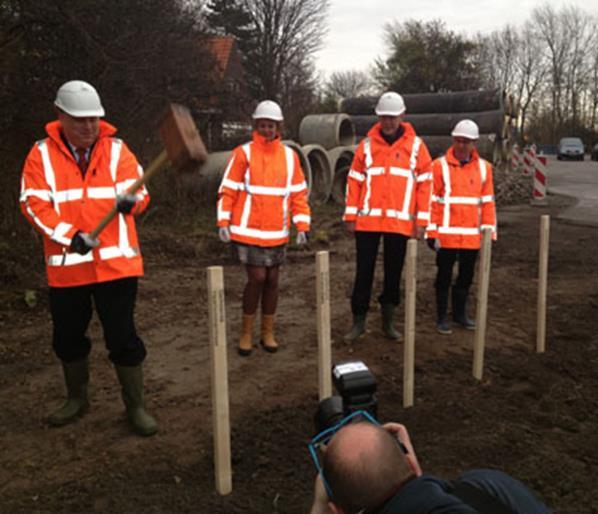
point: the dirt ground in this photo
(533, 416)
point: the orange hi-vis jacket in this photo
(462, 202)
(263, 183)
(58, 202)
(388, 186)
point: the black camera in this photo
(356, 387)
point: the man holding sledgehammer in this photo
(388, 190)
(71, 179)
(462, 205)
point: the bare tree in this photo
(349, 83)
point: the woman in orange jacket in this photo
(462, 205)
(262, 189)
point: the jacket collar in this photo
(263, 143)
(408, 132)
(451, 159)
(54, 131)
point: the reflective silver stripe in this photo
(226, 182)
(301, 218)
(246, 211)
(290, 162)
(142, 191)
(446, 177)
(379, 170)
(114, 157)
(42, 194)
(112, 252)
(69, 259)
(390, 213)
(431, 227)
(487, 198)
(231, 184)
(410, 179)
(48, 169)
(124, 185)
(100, 193)
(259, 234)
(68, 195)
(483, 171)
(296, 188)
(400, 172)
(350, 210)
(464, 200)
(463, 231)
(439, 199)
(59, 233)
(247, 150)
(367, 152)
(224, 215)
(422, 177)
(360, 177)
(268, 191)
(423, 216)
(247, 207)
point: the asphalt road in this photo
(578, 179)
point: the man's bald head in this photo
(363, 466)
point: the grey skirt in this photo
(260, 255)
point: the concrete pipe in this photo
(304, 161)
(321, 173)
(327, 130)
(426, 103)
(341, 159)
(206, 182)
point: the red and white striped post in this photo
(539, 192)
(516, 159)
(529, 160)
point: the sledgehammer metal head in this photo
(184, 146)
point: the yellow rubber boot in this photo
(245, 345)
(268, 341)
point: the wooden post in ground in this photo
(542, 282)
(323, 322)
(482, 307)
(410, 297)
(220, 412)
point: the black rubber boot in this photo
(131, 381)
(76, 378)
(388, 313)
(357, 330)
(442, 324)
(459, 300)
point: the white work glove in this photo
(302, 238)
(224, 234)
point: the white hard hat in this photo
(467, 129)
(79, 99)
(390, 104)
(268, 110)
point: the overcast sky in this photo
(355, 34)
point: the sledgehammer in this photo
(183, 148)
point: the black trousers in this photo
(445, 260)
(71, 309)
(366, 244)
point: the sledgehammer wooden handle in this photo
(156, 164)
(183, 148)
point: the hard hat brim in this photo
(466, 136)
(263, 117)
(92, 113)
(380, 112)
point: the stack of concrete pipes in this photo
(433, 116)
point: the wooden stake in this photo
(410, 297)
(220, 412)
(482, 307)
(323, 322)
(542, 282)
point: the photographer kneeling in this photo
(364, 470)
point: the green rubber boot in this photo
(388, 313)
(76, 378)
(357, 330)
(131, 381)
